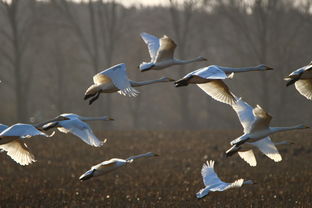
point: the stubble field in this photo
(170, 180)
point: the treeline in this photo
(51, 49)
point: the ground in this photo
(170, 180)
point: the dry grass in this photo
(170, 180)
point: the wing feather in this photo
(22, 130)
(249, 157)
(262, 119)
(304, 87)
(267, 147)
(209, 175)
(245, 114)
(166, 49)
(152, 43)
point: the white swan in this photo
(11, 141)
(161, 51)
(209, 79)
(110, 165)
(213, 183)
(255, 122)
(266, 146)
(72, 123)
(302, 78)
(115, 79)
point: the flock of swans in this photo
(255, 121)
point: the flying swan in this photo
(73, 123)
(11, 142)
(213, 183)
(110, 165)
(161, 51)
(256, 124)
(302, 78)
(115, 79)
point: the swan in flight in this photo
(73, 123)
(209, 79)
(161, 51)
(110, 165)
(11, 141)
(256, 124)
(302, 78)
(266, 146)
(213, 183)
(115, 79)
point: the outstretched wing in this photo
(22, 130)
(152, 43)
(119, 77)
(267, 147)
(81, 130)
(262, 119)
(209, 175)
(166, 49)
(218, 90)
(19, 152)
(210, 72)
(245, 114)
(304, 87)
(249, 157)
(3, 127)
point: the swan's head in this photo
(166, 79)
(263, 67)
(87, 175)
(200, 58)
(232, 150)
(249, 182)
(301, 126)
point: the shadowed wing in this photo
(152, 43)
(166, 49)
(267, 147)
(262, 119)
(19, 152)
(81, 130)
(304, 87)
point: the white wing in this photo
(245, 114)
(249, 157)
(218, 90)
(166, 49)
(19, 152)
(304, 87)
(119, 77)
(22, 130)
(210, 72)
(262, 119)
(267, 147)
(81, 130)
(152, 43)
(222, 187)
(209, 175)
(3, 127)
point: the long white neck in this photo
(149, 154)
(148, 82)
(279, 129)
(243, 69)
(104, 118)
(197, 59)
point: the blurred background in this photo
(51, 49)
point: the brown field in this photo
(170, 180)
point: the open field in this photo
(170, 180)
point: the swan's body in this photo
(110, 165)
(74, 124)
(266, 146)
(213, 183)
(255, 122)
(115, 79)
(161, 51)
(11, 142)
(302, 78)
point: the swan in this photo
(255, 122)
(115, 79)
(73, 123)
(209, 79)
(161, 51)
(110, 165)
(11, 141)
(213, 183)
(302, 78)
(266, 146)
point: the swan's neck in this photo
(235, 70)
(281, 142)
(179, 61)
(279, 129)
(149, 154)
(104, 118)
(148, 82)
